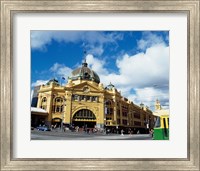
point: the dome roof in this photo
(85, 73)
(110, 87)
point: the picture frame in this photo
(10, 8)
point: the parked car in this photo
(43, 128)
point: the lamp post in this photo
(147, 124)
(63, 112)
(62, 122)
(105, 112)
(117, 131)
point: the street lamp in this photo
(147, 124)
(105, 112)
(63, 111)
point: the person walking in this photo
(122, 132)
(151, 132)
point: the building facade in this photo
(85, 102)
(34, 96)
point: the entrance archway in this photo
(56, 122)
(84, 118)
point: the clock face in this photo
(86, 89)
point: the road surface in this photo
(58, 135)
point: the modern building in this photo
(38, 116)
(34, 96)
(85, 102)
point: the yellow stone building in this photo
(85, 102)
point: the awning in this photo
(38, 111)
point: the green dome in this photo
(110, 87)
(84, 73)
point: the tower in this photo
(157, 105)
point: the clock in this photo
(86, 89)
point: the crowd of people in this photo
(87, 130)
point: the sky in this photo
(135, 62)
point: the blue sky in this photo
(136, 62)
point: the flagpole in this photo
(61, 81)
(61, 78)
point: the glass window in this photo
(44, 103)
(76, 97)
(57, 108)
(165, 127)
(44, 99)
(164, 121)
(137, 115)
(118, 112)
(137, 123)
(88, 97)
(84, 114)
(57, 99)
(157, 124)
(82, 97)
(61, 108)
(124, 122)
(94, 98)
(108, 103)
(118, 121)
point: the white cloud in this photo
(97, 50)
(39, 82)
(64, 71)
(145, 69)
(137, 73)
(57, 71)
(93, 40)
(148, 95)
(140, 72)
(60, 70)
(55, 67)
(40, 39)
(96, 64)
(149, 39)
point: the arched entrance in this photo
(56, 122)
(84, 118)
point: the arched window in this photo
(109, 107)
(84, 114)
(58, 105)
(57, 108)
(61, 108)
(108, 103)
(58, 99)
(44, 99)
(44, 103)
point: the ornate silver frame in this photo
(10, 8)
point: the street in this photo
(58, 135)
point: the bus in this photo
(161, 128)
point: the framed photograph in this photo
(100, 85)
